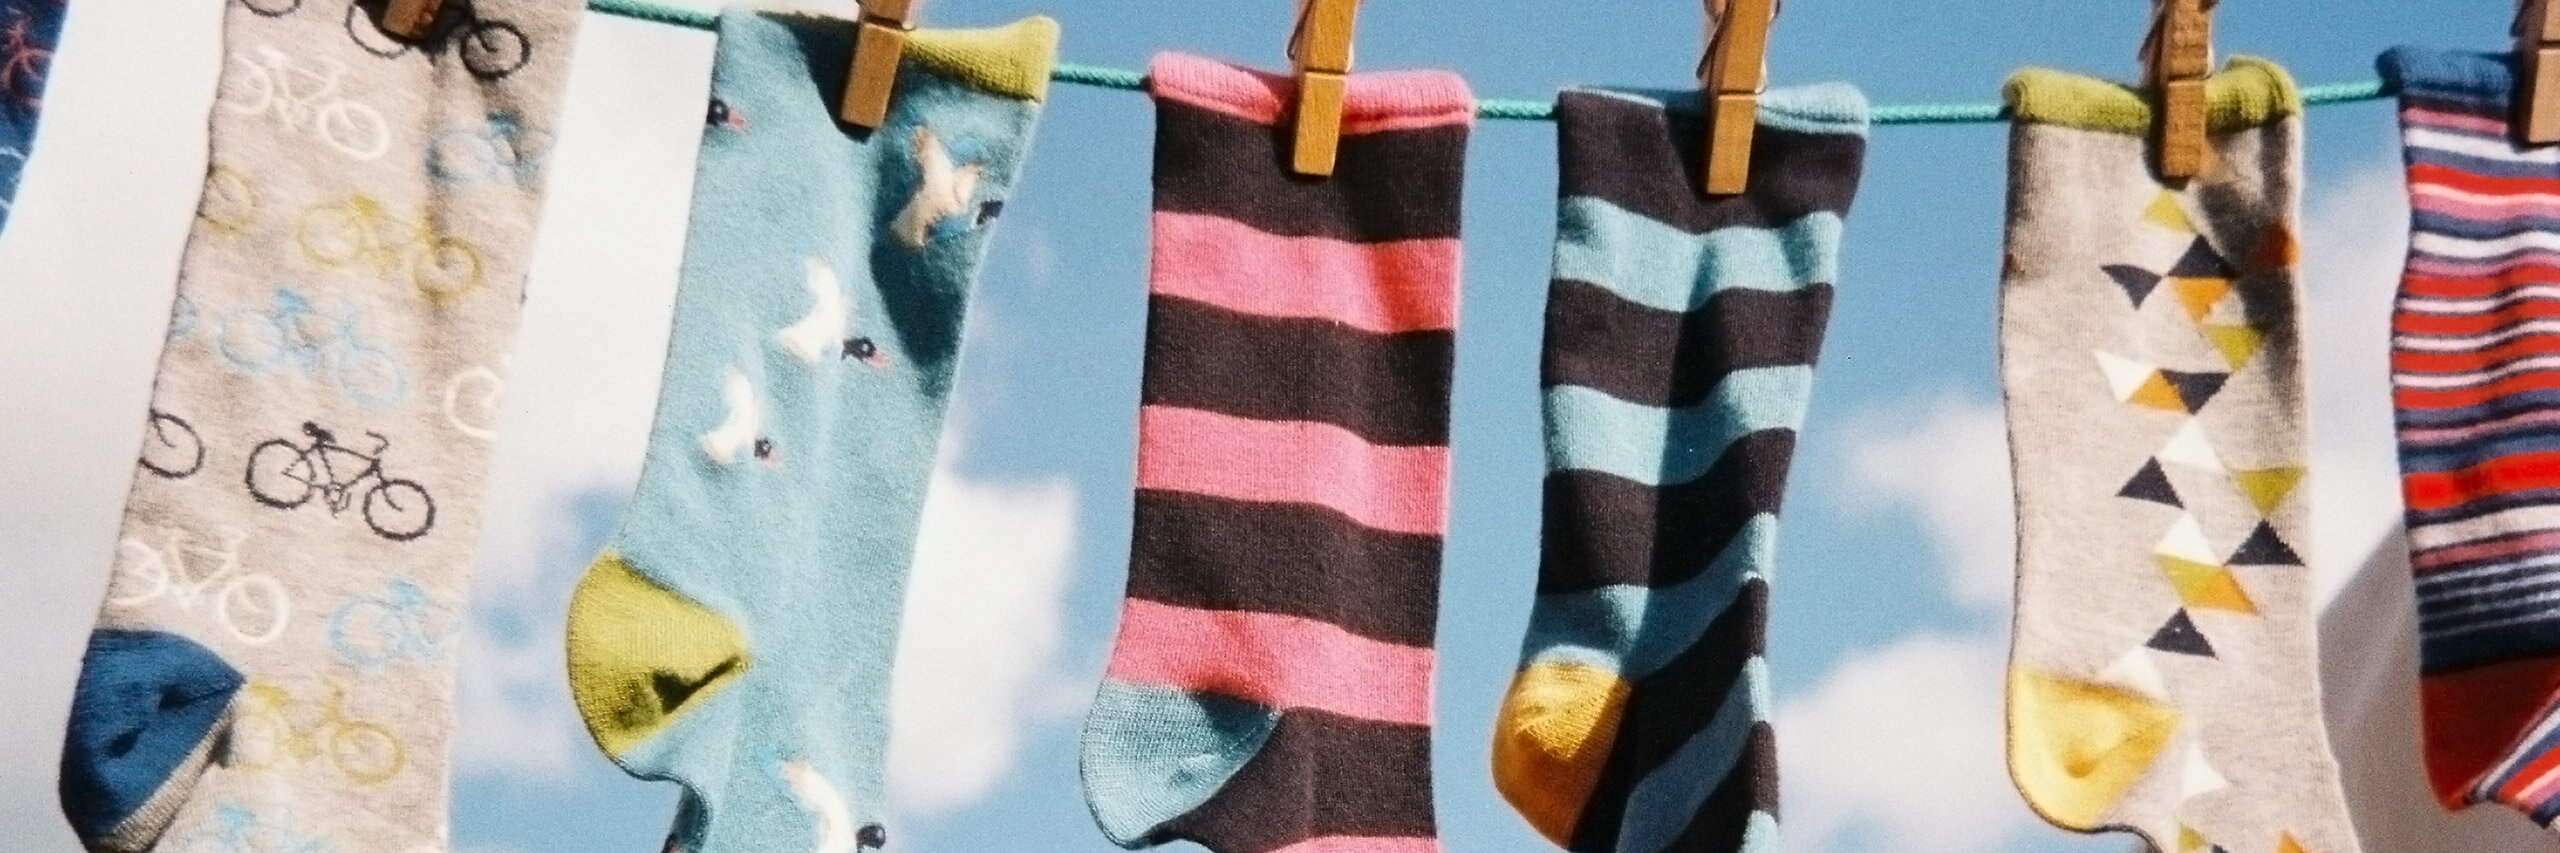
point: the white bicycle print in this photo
(471, 402)
(306, 98)
(250, 605)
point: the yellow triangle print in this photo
(2205, 586)
(2267, 487)
(2156, 393)
(2198, 295)
(2236, 343)
(2164, 212)
(2189, 840)
(2075, 748)
(2286, 844)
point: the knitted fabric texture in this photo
(2477, 395)
(1270, 686)
(291, 570)
(1681, 336)
(737, 634)
(28, 30)
(2163, 677)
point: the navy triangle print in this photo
(2136, 281)
(2264, 548)
(2151, 484)
(2195, 389)
(2181, 637)
(2201, 261)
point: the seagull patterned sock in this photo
(1681, 335)
(2163, 677)
(736, 636)
(273, 665)
(2472, 362)
(28, 29)
(1270, 687)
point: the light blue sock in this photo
(737, 635)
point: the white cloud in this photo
(2354, 240)
(1903, 743)
(984, 621)
(1945, 458)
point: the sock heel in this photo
(143, 722)
(1153, 754)
(640, 656)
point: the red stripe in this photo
(2518, 473)
(2412, 361)
(2455, 398)
(1399, 489)
(1273, 660)
(2473, 324)
(2432, 560)
(1234, 266)
(2444, 176)
(2508, 277)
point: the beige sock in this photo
(273, 665)
(2164, 678)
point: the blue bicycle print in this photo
(503, 149)
(375, 633)
(241, 831)
(290, 334)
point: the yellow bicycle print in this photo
(276, 728)
(357, 232)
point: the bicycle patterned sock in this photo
(737, 634)
(273, 664)
(2163, 673)
(28, 30)
(1270, 686)
(1681, 335)
(2477, 399)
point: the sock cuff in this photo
(2455, 74)
(1011, 60)
(1832, 107)
(2249, 92)
(1383, 101)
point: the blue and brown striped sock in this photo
(1681, 335)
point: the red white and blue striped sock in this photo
(2476, 380)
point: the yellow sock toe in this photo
(1553, 738)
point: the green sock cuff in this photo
(1012, 60)
(2248, 92)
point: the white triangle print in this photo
(2185, 541)
(2187, 447)
(2137, 673)
(2200, 778)
(2123, 374)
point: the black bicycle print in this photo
(170, 447)
(285, 475)
(489, 49)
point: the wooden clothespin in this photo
(2537, 119)
(1730, 79)
(2176, 58)
(1320, 52)
(878, 40)
(409, 20)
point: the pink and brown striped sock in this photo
(1271, 685)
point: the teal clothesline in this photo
(1516, 109)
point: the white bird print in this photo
(745, 418)
(819, 797)
(824, 324)
(944, 191)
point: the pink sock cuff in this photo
(1382, 101)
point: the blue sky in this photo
(1891, 590)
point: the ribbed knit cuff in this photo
(2249, 92)
(2449, 74)
(1381, 101)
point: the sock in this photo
(2163, 676)
(2475, 402)
(274, 656)
(1270, 686)
(1681, 335)
(737, 634)
(28, 29)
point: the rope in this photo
(1512, 109)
